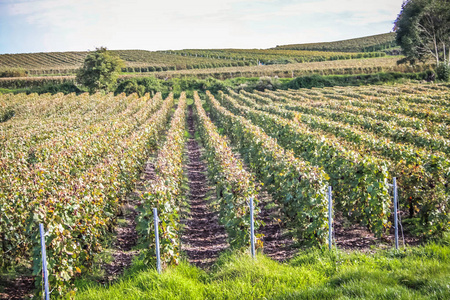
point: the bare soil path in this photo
(277, 244)
(122, 250)
(126, 234)
(21, 287)
(351, 236)
(203, 238)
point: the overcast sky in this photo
(80, 25)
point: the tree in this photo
(100, 70)
(423, 30)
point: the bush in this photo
(151, 85)
(52, 88)
(320, 81)
(443, 71)
(214, 85)
(309, 82)
(141, 86)
(129, 87)
(268, 83)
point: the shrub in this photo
(129, 87)
(268, 83)
(443, 71)
(215, 85)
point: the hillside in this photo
(136, 61)
(347, 67)
(372, 43)
(66, 63)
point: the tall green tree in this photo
(423, 30)
(100, 70)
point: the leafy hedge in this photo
(320, 81)
(164, 192)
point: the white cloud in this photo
(171, 24)
(383, 9)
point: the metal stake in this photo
(44, 260)
(395, 213)
(330, 219)
(158, 258)
(252, 228)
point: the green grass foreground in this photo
(414, 273)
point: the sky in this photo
(80, 25)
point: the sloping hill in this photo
(371, 43)
(60, 63)
(136, 61)
(66, 63)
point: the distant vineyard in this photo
(139, 61)
(70, 161)
(62, 63)
(347, 67)
(372, 43)
(271, 57)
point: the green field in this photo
(420, 273)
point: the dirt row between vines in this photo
(203, 238)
